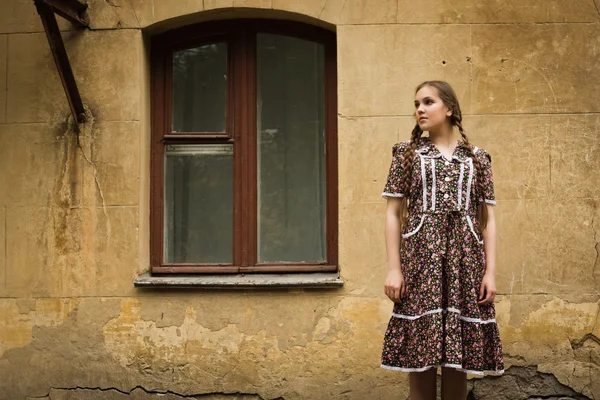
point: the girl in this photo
(441, 246)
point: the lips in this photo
(422, 119)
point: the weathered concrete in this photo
(112, 343)
(524, 383)
(550, 70)
(20, 16)
(138, 394)
(106, 65)
(179, 343)
(510, 11)
(74, 227)
(400, 57)
(3, 62)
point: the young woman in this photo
(441, 247)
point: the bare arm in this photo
(392, 233)
(489, 241)
(487, 291)
(394, 288)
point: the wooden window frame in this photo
(241, 132)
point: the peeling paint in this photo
(75, 207)
(524, 383)
(19, 317)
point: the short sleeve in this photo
(392, 185)
(485, 159)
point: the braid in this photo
(407, 159)
(406, 163)
(481, 209)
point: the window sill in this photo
(241, 281)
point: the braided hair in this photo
(448, 97)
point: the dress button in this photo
(447, 179)
(446, 195)
(447, 162)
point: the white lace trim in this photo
(460, 181)
(388, 194)
(469, 183)
(490, 201)
(446, 365)
(478, 320)
(424, 178)
(445, 311)
(423, 150)
(412, 317)
(473, 230)
(433, 186)
(416, 229)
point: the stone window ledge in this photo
(325, 280)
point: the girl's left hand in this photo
(487, 292)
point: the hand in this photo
(395, 287)
(487, 292)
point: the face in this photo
(431, 113)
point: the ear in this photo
(449, 112)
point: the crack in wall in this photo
(111, 3)
(114, 8)
(576, 344)
(50, 340)
(157, 392)
(595, 246)
(596, 322)
(323, 8)
(343, 7)
(95, 171)
(515, 357)
(524, 380)
(135, 13)
(82, 138)
(597, 9)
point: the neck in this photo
(444, 136)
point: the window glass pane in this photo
(291, 150)
(198, 204)
(199, 89)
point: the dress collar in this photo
(428, 149)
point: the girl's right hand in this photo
(395, 287)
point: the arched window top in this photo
(212, 30)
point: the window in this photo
(244, 148)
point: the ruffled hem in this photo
(439, 338)
(446, 365)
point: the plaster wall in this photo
(74, 214)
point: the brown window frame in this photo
(240, 113)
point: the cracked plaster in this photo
(71, 214)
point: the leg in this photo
(423, 384)
(454, 384)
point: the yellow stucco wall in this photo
(74, 217)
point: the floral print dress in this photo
(438, 322)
